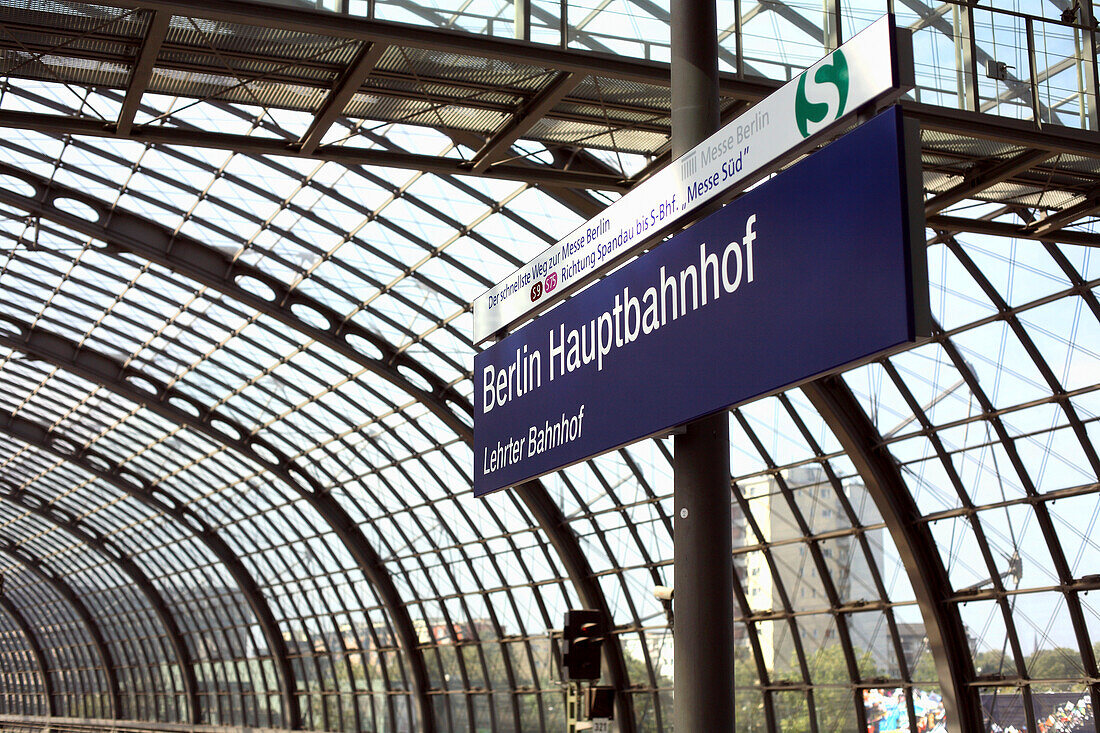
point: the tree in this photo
(1054, 664)
(652, 711)
(834, 701)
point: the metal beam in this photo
(859, 538)
(1047, 527)
(525, 118)
(543, 56)
(61, 518)
(795, 18)
(142, 70)
(59, 586)
(65, 448)
(1049, 227)
(816, 554)
(565, 158)
(568, 60)
(971, 124)
(982, 179)
(393, 82)
(348, 155)
(1053, 138)
(189, 59)
(342, 92)
(522, 17)
(1005, 229)
(113, 375)
(836, 404)
(36, 651)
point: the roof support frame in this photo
(449, 616)
(131, 484)
(983, 179)
(1048, 227)
(567, 60)
(836, 404)
(64, 125)
(525, 118)
(344, 26)
(112, 375)
(551, 519)
(767, 690)
(957, 122)
(60, 518)
(70, 596)
(142, 71)
(176, 66)
(787, 613)
(389, 355)
(608, 487)
(998, 592)
(817, 557)
(796, 19)
(36, 650)
(173, 64)
(1019, 133)
(1091, 664)
(860, 537)
(999, 595)
(1041, 509)
(1006, 229)
(342, 92)
(134, 234)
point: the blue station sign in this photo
(820, 268)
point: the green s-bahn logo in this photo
(835, 73)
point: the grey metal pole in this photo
(523, 19)
(703, 572)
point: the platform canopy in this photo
(238, 243)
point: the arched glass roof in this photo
(237, 250)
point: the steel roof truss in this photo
(984, 178)
(1007, 229)
(525, 118)
(342, 92)
(104, 370)
(833, 400)
(180, 254)
(56, 516)
(143, 70)
(129, 483)
(107, 662)
(36, 650)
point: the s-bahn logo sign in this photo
(834, 74)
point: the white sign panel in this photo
(863, 70)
